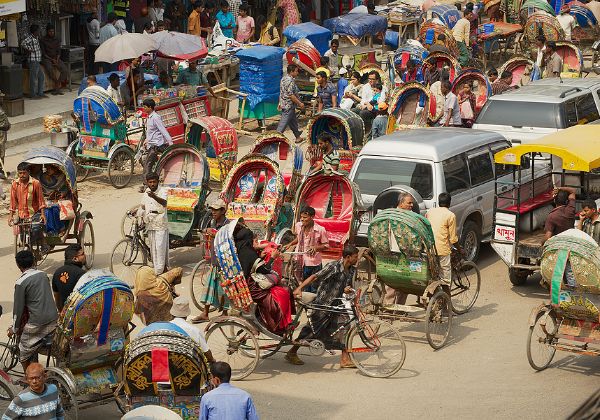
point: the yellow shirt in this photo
(461, 31)
(265, 35)
(443, 223)
(194, 23)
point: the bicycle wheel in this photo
(127, 222)
(126, 259)
(233, 343)
(87, 242)
(376, 348)
(199, 283)
(465, 287)
(541, 341)
(67, 398)
(9, 356)
(438, 319)
(6, 392)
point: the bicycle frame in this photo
(138, 240)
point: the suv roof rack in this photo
(569, 91)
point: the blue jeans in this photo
(36, 79)
(379, 126)
(307, 271)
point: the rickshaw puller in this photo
(443, 224)
(27, 201)
(157, 136)
(154, 212)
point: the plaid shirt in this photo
(287, 88)
(499, 86)
(592, 229)
(33, 45)
(26, 199)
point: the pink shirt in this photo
(245, 25)
(317, 236)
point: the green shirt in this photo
(188, 77)
(159, 85)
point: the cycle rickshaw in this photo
(402, 257)
(164, 366)
(74, 224)
(375, 346)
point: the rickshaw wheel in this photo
(226, 341)
(87, 242)
(199, 283)
(120, 168)
(376, 348)
(438, 319)
(540, 348)
(466, 283)
(517, 277)
(68, 400)
(124, 260)
(6, 390)
(18, 245)
(81, 173)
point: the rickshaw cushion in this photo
(336, 229)
(538, 201)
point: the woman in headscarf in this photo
(154, 294)
(274, 304)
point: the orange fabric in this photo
(26, 199)
(194, 23)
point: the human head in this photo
(562, 198)
(149, 105)
(224, 6)
(152, 179)
(324, 61)
(492, 74)
(91, 80)
(444, 200)
(350, 254)
(355, 78)
(540, 41)
(260, 21)
(325, 144)
(35, 376)
(144, 11)
(198, 6)
(218, 209)
(74, 254)
(371, 7)
(23, 172)
(25, 260)
(221, 373)
(193, 64)
(111, 18)
(136, 62)
(374, 78)
(34, 29)
(210, 6)
(343, 72)
(50, 31)
(441, 38)
(321, 78)
(307, 215)
(181, 307)
(335, 44)
(148, 27)
(589, 209)
(565, 9)
(160, 26)
(292, 70)
(467, 88)
(550, 46)
(406, 201)
(468, 13)
(114, 80)
(377, 87)
(446, 87)
(244, 10)
(506, 76)
(163, 77)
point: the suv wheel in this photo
(470, 240)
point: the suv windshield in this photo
(519, 114)
(375, 175)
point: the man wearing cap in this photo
(214, 294)
(180, 311)
(566, 20)
(342, 84)
(380, 122)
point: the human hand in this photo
(10, 332)
(298, 292)
(301, 106)
(311, 252)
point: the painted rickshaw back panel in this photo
(403, 107)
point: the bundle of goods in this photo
(318, 36)
(52, 123)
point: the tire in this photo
(9, 356)
(438, 319)
(127, 222)
(518, 277)
(67, 398)
(225, 340)
(541, 343)
(125, 260)
(7, 392)
(87, 242)
(465, 287)
(470, 240)
(81, 173)
(120, 167)
(376, 348)
(18, 246)
(199, 282)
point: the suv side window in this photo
(586, 109)
(570, 114)
(480, 166)
(456, 174)
(501, 170)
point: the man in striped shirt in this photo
(331, 157)
(39, 401)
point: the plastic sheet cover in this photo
(317, 35)
(356, 25)
(261, 70)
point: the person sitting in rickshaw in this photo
(27, 201)
(331, 158)
(589, 220)
(54, 183)
(274, 303)
(334, 280)
(154, 294)
(562, 217)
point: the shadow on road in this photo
(311, 409)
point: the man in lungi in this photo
(154, 211)
(34, 311)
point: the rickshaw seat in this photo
(538, 201)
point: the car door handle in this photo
(503, 189)
(480, 198)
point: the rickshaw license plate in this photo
(505, 233)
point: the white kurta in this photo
(155, 217)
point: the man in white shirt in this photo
(594, 6)
(332, 54)
(366, 97)
(106, 33)
(93, 30)
(180, 311)
(461, 33)
(114, 89)
(153, 209)
(451, 117)
(567, 21)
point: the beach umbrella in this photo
(173, 44)
(124, 47)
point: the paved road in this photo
(482, 373)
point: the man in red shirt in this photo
(562, 217)
(27, 201)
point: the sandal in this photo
(347, 365)
(294, 359)
(198, 319)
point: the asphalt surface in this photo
(482, 372)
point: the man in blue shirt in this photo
(226, 402)
(226, 19)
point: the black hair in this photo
(151, 175)
(113, 76)
(149, 102)
(160, 23)
(224, 3)
(260, 20)
(335, 42)
(308, 210)
(374, 72)
(492, 72)
(324, 60)
(23, 166)
(551, 45)
(209, 5)
(444, 199)
(441, 37)
(506, 74)
(378, 86)
(72, 251)
(244, 7)
(356, 75)
(25, 259)
(50, 27)
(111, 17)
(349, 250)
(322, 74)
(291, 68)
(590, 204)
(541, 38)
(148, 26)
(562, 198)
(34, 28)
(221, 370)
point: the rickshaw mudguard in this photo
(66, 375)
(231, 318)
(72, 148)
(535, 311)
(431, 288)
(116, 147)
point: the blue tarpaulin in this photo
(261, 70)
(356, 25)
(316, 34)
(102, 79)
